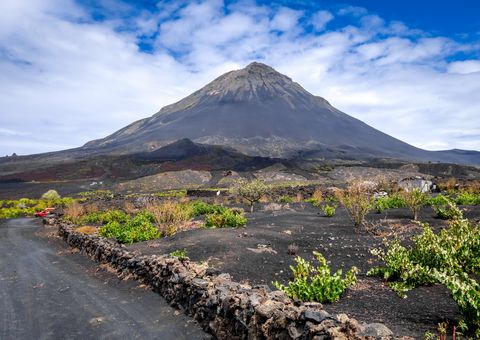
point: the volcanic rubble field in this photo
(258, 254)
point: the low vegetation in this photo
(414, 199)
(312, 283)
(51, 195)
(73, 212)
(317, 198)
(450, 257)
(181, 254)
(141, 227)
(468, 198)
(96, 194)
(287, 199)
(198, 208)
(227, 218)
(87, 230)
(393, 201)
(444, 208)
(156, 220)
(251, 191)
(172, 193)
(169, 216)
(329, 209)
(358, 199)
(28, 207)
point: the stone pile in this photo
(224, 308)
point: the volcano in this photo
(262, 112)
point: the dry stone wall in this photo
(224, 308)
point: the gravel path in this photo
(46, 292)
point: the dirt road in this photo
(46, 292)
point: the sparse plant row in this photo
(449, 257)
(358, 199)
(156, 220)
(28, 206)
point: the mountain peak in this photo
(256, 67)
(260, 111)
(257, 81)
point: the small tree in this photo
(414, 199)
(358, 199)
(51, 195)
(252, 191)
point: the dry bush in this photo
(472, 187)
(357, 198)
(74, 211)
(129, 208)
(90, 208)
(386, 184)
(169, 215)
(87, 230)
(414, 199)
(299, 198)
(184, 199)
(448, 185)
(318, 195)
(264, 199)
(292, 249)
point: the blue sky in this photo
(72, 71)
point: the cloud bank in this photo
(71, 72)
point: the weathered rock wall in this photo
(224, 308)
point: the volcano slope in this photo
(260, 111)
(238, 121)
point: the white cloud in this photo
(65, 79)
(285, 20)
(321, 19)
(464, 67)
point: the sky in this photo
(72, 71)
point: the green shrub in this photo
(172, 193)
(15, 212)
(329, 210)
(389, 202)
(317, 283)
(28, 207)
(91, 218)
(136, 229)
(62, 202)
(466, 293)
(181, 254)
(436, 201)
(96, 194)
(446, 212)
(25, 203)
(314, 202)
(467, 198)
(448, 257)
(51, 195)
(104, 217)
(114, 215)
(227, 218)
(287, 199)
(202, 208)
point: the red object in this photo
(44, 212)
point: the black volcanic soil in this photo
(239, 252)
